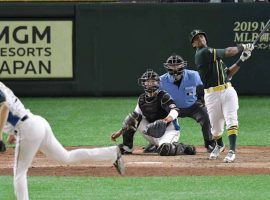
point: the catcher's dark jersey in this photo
(154, 108)
(211, 67)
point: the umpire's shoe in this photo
(217, 150)
(119, 163)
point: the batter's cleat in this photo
(230, 157)
(215, 153)
(119, 163)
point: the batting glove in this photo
(248, 47)
(245, 55)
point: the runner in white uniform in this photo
(33, 133)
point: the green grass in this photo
(89, 121)
(158, 188)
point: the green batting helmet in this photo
(196, 32)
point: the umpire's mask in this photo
(175, 66)
(150, 82)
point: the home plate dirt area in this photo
(250, 160)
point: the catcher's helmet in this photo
(175, 65)
(196, 32)
(150, 81)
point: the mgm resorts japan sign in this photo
(35, 49)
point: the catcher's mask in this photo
(175, 66)
(196, 32)
(150, 82)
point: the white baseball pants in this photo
(35, 133)
(222, 107)
(170, 136)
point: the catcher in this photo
(155, 116)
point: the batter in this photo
(221, 99)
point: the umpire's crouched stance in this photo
(155, 116)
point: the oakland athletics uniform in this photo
(220, 97)
(33, 133)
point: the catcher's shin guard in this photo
(128, 137)
(184, 149)
(167, 149)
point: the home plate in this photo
(143, 163)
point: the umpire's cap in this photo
(196, 32)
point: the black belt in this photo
(25, 117)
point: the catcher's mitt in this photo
(2, 146)
(156, 129)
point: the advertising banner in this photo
(36, 49)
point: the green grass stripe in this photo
(158, 188)
(90, 121)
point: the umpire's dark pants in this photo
(198, 112)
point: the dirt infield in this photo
(250, 160)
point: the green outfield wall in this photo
(100, 49)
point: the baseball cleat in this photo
(230, 157)
(215, 153)
(119, 163)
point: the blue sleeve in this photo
(161, 86)
(198, 79)
(2, 97)
(162, 79)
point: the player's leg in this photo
(28, 139)
(168, 144)
(214, 108)
(53, 149)
(199, 113)
(152, 142)
(230, 108)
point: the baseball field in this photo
(88, 122)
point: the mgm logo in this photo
(24, 34)
(25, 50)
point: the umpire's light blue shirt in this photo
(184, 95)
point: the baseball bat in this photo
(262, 32)
(259, 36)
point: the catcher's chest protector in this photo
(151, 107)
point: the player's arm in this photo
(232, 51)
(169, 105)
(3, 119)
(236, 66)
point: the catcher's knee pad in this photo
(166, 149)
(132, 121)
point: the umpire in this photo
(186, 88)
